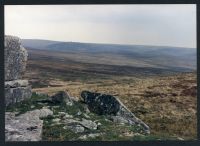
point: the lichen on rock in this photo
(15, 57)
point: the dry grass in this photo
(167, 104)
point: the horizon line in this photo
(102, 43)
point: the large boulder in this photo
(15, 57)
(100, 103)
(112, 107)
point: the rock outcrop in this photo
(113, 107)
(15, 57)
(60, 97)
(25, 127)
(100, 103)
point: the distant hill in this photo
(175, 58)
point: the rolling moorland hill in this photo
(162, 57)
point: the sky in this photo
(160, 25)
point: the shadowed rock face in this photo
(15, 57)
(100, 103)
(61, 97)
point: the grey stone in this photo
(75, 128)
(99, 124)
(88, 124)
(91, 135)
(16, 83)
(18, 94)
(68, 116)
(61, 114)
(25, 127)
(32, 106)
(71, 121)
(57, 120)
(119, 119)
(85, 123)
(85, 109)
(42, 113)
(15, 57)
(86, 116)
(132, 119)
(79, 113)
(61, 97)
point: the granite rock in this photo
(25, 127)
(18, 94)
(15, 57)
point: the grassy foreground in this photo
(109, 131)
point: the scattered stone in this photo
(86, 116)
(75, 128)
(99, 124)
(68, 116)
(85, 123)
(61, 114)
(57, 120)
(32, 106)
(88, 124)
(179, 138)
(70, 121)
(92, 135)
(79, 113)
(137, 134)
(119, 119)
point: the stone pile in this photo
(15, 57)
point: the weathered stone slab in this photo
(15, 57)
(25, 127)
(16, 83)
(18, 94)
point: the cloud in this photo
(170, 25)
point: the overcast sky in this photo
(168, 25)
